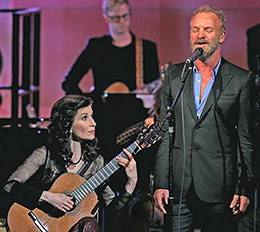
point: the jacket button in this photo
(195, 148)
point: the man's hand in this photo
(239, 204)
(161, 198)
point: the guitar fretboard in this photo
(150, 87)
(102, 175)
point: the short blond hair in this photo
(109, 5)
(209, 9)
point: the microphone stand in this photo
(170, 118)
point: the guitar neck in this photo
(102, 175)
(151, 87)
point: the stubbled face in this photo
(205, 33)
(119, 25)
(83, 127)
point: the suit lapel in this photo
(221, 81)
(188, 91)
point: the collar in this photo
(215, 71)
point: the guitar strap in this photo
(139, 62)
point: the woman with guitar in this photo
(71, 149)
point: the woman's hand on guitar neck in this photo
(58, 200)
(130, 170)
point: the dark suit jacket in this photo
(210, 142)
(253, 48)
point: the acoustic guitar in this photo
(47, 218)
(152, 87)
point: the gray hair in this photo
(209, 9)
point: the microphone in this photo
(196, 53)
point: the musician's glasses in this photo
(117, 18)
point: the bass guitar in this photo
(47, 218)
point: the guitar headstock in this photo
(149, 136)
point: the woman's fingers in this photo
(126, 162)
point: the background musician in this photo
(118, 56)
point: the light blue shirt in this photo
(200, 103)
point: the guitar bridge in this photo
(36, 221)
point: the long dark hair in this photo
(62, 117)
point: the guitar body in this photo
(20, 221)
(117, 87)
